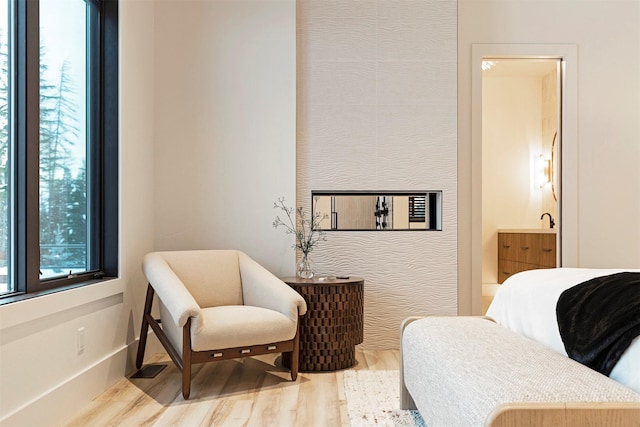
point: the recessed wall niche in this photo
(378, 210)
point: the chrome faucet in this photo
(551, 221)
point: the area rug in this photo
(373, 399)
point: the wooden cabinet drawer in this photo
(524, 251)
(508, 268)
(507, 246)
(543, 250)
(531, 248)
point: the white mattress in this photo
(526, 303)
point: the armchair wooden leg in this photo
(186, 360)
(295, 355)
(144, 330)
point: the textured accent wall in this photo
(377, 108)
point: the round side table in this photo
(333, 324)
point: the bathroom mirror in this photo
(378, 210)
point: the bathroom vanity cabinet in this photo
(520, 250)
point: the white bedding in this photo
(526, 304)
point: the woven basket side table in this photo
(333, 324)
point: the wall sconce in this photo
(544, 171)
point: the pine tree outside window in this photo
(58, 144)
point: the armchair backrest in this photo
(211, 276)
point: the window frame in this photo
(102, 158)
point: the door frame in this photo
(568, 200)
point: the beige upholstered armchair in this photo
(217, 305)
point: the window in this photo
(417, 209)
(58, 144)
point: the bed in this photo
(526, 303)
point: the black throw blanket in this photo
(599, 318)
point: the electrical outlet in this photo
(81, 340)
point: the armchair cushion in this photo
(241, 326)
(211, 276)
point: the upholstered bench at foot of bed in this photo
(469, 371)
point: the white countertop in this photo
(528, 230)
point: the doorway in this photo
(521, 154)
(470, 274)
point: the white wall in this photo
(43, 379)
(377, 111)
(607, 36)
(550, 148)
(511, 139)
(225, 126)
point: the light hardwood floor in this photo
(255, 391)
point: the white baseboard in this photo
(62, 402)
